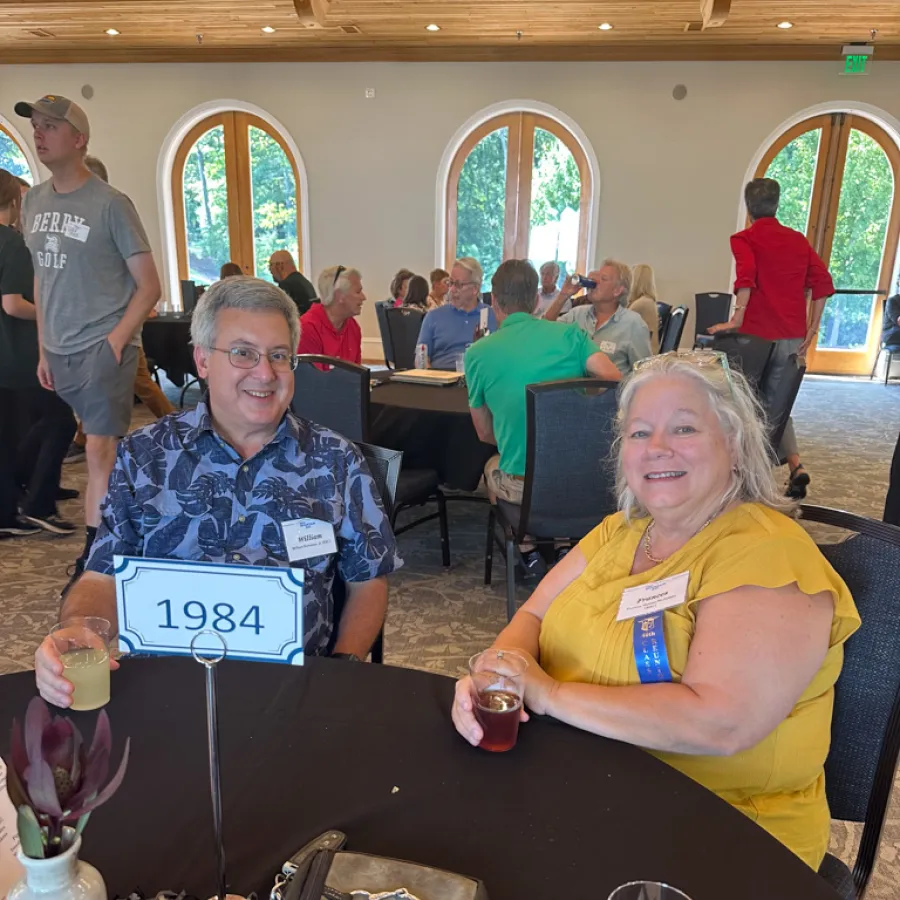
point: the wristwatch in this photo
(351, 656)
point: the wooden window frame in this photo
(18, 144)
(239, 189)
(827, 183)
(519, 170)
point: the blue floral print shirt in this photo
(179, 491)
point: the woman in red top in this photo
(330, 327)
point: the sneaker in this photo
(20, 527)
(532, 564)
(54, 524)
(75, 454)
(797, 484)
(74, 572)
(560, 553)
(67, 494)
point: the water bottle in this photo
(421, 356)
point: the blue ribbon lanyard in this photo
(650, 652)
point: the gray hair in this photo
(329, 285)
(742, 421)
(473, 267)
(241, 292)
(550, 266)
(761, 197)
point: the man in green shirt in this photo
(524, 350)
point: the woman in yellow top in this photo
(699, 622)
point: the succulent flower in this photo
(53, 781)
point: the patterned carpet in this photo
(438, 618)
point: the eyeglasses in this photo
(337, 274)
(248, 358)
(461, 284)
(701, 358)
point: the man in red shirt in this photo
(329, 328)
(777, 274)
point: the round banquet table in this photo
(433, 428)
(370, 750)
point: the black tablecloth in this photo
(371, 750)
(167, 341)
(433, 428)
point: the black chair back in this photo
(569, 473)
(188, 295)
(711, 309)
(384, 467)
(674, 329)
(747, 353)
(664, 310)
(865, 726)
(778, 411)
(381, 306)
(337, 398)
(403, 326)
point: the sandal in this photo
(797, 483)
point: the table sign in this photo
(164, 604)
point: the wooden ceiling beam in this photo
(714, 12)
(312, 12)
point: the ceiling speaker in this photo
(679, 92)
(87, 91)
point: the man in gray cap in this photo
(96, 284)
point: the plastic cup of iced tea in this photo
(498, 686)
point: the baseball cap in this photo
(57, 107)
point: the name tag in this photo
(163, 604)
(608, 346)
(483, 319)
(77, 231)
(646, 599)
(305, 538)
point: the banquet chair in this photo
(711, 309)
(892, 350)
(403, 326)
(779, 410)
(674, 329)
(570, 420)
(865, 726)
(664, 310)
(339, 399)
(747, 353)
(381, 306)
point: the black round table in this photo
(370, 750)
(433, 428)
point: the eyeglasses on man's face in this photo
(459, 285)
(248, 358)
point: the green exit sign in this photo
(855, 64)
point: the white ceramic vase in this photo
(63, 877)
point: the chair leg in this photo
(489, 547)
(887, 370)
(875, 364)
(510, 579)
(445, 529)
(378, 648)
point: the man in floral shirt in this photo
(219, 483)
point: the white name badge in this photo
(305, 538)
(163, 604)
(608, 346)
(646, 599)
(483, 319)
(78, 231)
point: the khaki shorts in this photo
(507, 487)
(99, 389)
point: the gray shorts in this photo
(99, 390)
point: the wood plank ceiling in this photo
(343, 30)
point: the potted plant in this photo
(55, 783)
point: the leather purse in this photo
(323, 870)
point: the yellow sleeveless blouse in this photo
(779, 783)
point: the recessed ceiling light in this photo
(112, 32)
(432, 27)
(268, 29)
(605, 27)
(785, 25)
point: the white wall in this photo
(671, 172)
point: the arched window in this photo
(839, 175)
(12, 158)
(236, 197)
(519, 187)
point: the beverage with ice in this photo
(88, 670)
(497, 691)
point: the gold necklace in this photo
(648, 536)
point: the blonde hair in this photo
(473, 267)
(742, 421)
(643, 283)
(330, 282)
(623, 277)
